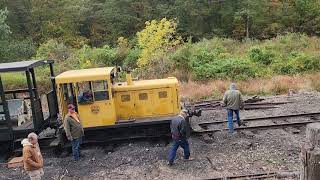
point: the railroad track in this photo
(274, 122)
(250, 104)
(259, 176)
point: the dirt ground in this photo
(247, 152)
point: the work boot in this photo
(189, 159)
(240, 123)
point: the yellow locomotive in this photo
(109, 110)
(118, 110)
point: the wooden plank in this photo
(311, 153)
(15, 162)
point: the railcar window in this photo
(100, 90)
(143, 96)
(125, 98)
(84, 92)
(163, 94)
(68, 93)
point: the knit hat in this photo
(233, 86)
(71, 106)
(25, 142)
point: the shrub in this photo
(52, 49)
(132, 58)
(14, 50)
(181, 58)
(159, 67)
(262, 56)
(297, 63)
(231, 69)
(208, 64)
(92, 57)
(155, 38)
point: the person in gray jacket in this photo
(233, 102)
(179, 133)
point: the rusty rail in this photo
(267, 118)
(291, 174)
(249, 104)
(274, 126)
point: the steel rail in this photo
(245, 108)
(205, 106)
(264, 118)
(260, 175)
(274, 126)
(268, 103)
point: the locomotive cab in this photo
(90, 91)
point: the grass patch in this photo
(262, 87)
(14, 80)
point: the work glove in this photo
(222, 104)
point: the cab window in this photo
(84, 92)
(68, 92)
(100, 90)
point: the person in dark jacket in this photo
(179, 133)
(74, 131)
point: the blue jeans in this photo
(230, 119)
(176, 143)
(76, 148)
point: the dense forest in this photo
(201, 38)
(100, 22)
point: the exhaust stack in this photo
(129, 78)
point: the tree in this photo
(4, 28)
(156, 36)
(58, 19)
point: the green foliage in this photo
(297, 63)
(181, 57)
(208, 65)
(131, 59)
(262, 56)
(13, 50)
(14, 80)
(52, 49)
(156, 36)
(93, 57)
(58, 19)
(4, 28)
(221, 58)
(97, 22)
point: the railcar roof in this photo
(84, 75)
(146, 84)
(22, 65)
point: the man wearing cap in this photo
(179, 132)
(232, 100)
(32, 157)
(74, 131)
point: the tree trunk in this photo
(310, 153)
(247, 27)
